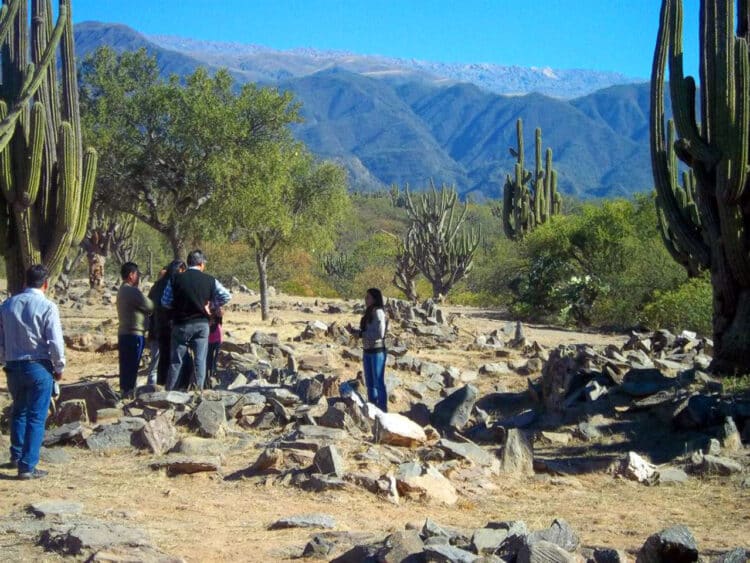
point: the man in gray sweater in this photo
(133, 309)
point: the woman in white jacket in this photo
(372, 330)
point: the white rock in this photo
(397, 430)
(635, 468)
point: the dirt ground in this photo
(206, 518)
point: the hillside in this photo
(407, 124)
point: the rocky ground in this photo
(503, 443)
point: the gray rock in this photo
(607, 555)
(72, 432)
(431, 369)
(401, 547)
(305, 521)
(358, 554)
(488, 540)
(430, 331)
(336, 416)
(518, 454)
(716, 465)
(643, 382)
(264, 339)
(448, 554)
(90, 536)
(672, 545)
(672, 476)
(120, 435)
(159, 434)
(322, 433)
(73, 410)
(731, 440)
(453, 412)
(587, 432)
(328, 461)
(544, 552)
(97, 394)
(468, 451)
(164, 399)
(210, 418)
(54, 456)
(310, 390)
(187, 465)
(193, 446)
(318, 547)
(409, 469)
(737, 555)
(55, 508)
(319, 483)
(559, 533)
(497, 368)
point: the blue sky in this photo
(616, 35)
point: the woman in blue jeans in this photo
(372, 330)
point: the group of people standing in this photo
(181, 314)
(183, 311)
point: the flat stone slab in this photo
(90, 536)
(165, 399)
(322, 521)
(55, 508)
(187, 466)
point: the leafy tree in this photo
(281, 197)
(166, 142)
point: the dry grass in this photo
(204, 518)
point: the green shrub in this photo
(688, 307)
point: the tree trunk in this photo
(179, 251)
(96, 270)
(71, 264)
(261, 260)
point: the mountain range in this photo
(404, 121)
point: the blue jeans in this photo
(130, 348)
(374, 363)
(30, 386)
(193, 335)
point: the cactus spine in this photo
(529, 199)
(713, 229)
(442, 249)
(46, 178)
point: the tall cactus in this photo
(46, 178)
(442, 249)
(716, 233)
(529, 199)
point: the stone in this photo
(429, 331)
(607, 555)
(497, 368)
(731, 440)
(672, 545)
(453, 412)
(164, 399)
(108, 415)
(643, 382)
(698, 412)
(358, 554)
(634, 467)
(310, 390)
(187, 465)
(89, 536)
(468, 451)
(322, 521)
(556, 438)
(401, 547)
(587, 431)
(544, 552)
(318, 547)
(270, 459)
(72, 432)
(397, 430)
(210, 418)
(265, 339)
(55, 508)
(194, 446)
(336, 417)
(328, 461)
(518, 453)
(486, 541)
(159, 434)
(431, 486)
(559, 533)
(54, 456)
(448, 554)
(320, 483)
(737, 555)
(716, 465)
(306, 431)
(671, 476)
(431, 369)
(123, 434)
(73, 410)
(97, 394)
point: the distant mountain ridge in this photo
(406, 124)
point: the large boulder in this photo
(518, 453)
(673, 545)
(121, 435)
(397, 430)
(453, 412)
(97, 394)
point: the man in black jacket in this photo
(189, 295)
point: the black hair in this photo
(173, 268)
(196, 258)
(377, 298)
(127, 269)
(36, 275)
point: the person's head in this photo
(374, 298)
(175, 267)
(37, 277)
(129, 273)
(196, 259)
